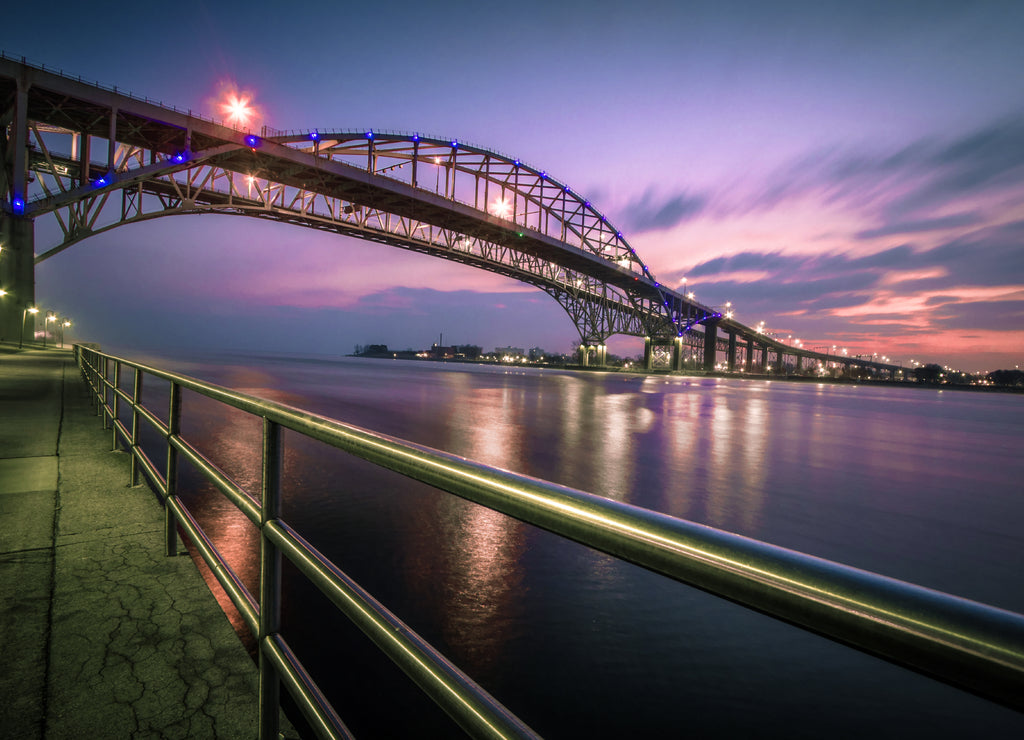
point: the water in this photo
(918, 484)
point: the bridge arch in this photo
(547, 235)
(95, 158)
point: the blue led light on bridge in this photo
(455, 144)
(100, 183)
(415, 137)
(314, 135)
(369, 134)
(568, 189)
(516, 163)
(252, 140)
(18, 204)
(178, 158)
(543, 175)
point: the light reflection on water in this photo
(475, 580)
(905, 482)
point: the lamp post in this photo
(49, 317)
(24, 316)
(65, 323)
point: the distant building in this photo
(510, 351)
(456, 351)
(372, 350)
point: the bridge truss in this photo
(94, 159)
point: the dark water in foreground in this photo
(917, 484)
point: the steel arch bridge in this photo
(92, 159)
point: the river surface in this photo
(918, 484)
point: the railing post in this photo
(94, 377)
(90, 374)
(136, 400)
(115, 404)
(270, 582)
(101, 409)
(173, 429)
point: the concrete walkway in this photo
(101, 636)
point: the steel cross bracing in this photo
(598, 308)
(431, 195)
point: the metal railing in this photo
(973, 646)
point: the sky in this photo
(848, 173)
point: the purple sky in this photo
(848, 173)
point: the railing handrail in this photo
(973, 646)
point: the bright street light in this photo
(237, 108)
(501, 208)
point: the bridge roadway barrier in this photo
(101, 635)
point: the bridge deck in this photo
(102, 635)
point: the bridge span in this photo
(93, 158)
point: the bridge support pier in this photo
(764, 358)
(600, 355)
(732, 353)
(17, 261)
(799, 363)
(749, 359)
(677, 354)
(17, 277)
(648, 354)
(710, 345)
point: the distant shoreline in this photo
(411, 355)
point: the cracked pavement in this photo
(104, 636)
